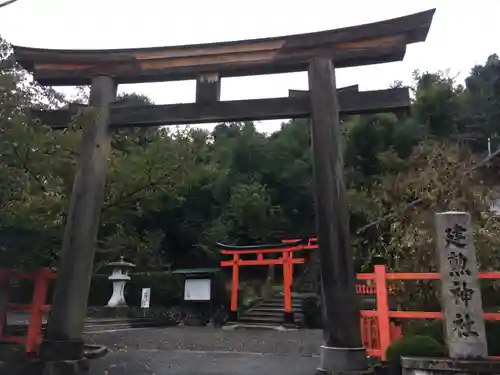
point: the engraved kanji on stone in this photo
(462, 292)
(456, 236)
(458, 263)
(463, 326)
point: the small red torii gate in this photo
(287, 259)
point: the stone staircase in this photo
(270, 312)
(308, 281)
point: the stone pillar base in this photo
(66, 367)
(288, 318)
(33, 366)
(342, 361)
(233, 316)
(59, 350)
(448, 366)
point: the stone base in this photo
(288, 318)
(25, 367)
(66, 367)
(448, 366)
(233, 316)
(32, 366)
(59, 350)
(342, 361)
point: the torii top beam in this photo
(366, 44)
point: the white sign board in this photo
(146, 297)
(197, 290)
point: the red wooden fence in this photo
(377, 330)
(36, 309)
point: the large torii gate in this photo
(319, 53)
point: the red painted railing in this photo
(377, 330)
(36, 309)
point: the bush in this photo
(435, 329)
(415, 346)
(493, 337)
(166, 289)
(431, 328)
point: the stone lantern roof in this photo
(121, 263)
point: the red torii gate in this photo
(287, 259)
(286, 248)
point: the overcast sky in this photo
(462, 34)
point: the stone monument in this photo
(461, 303)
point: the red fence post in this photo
(235, 285)
(287, 282)
(34, 336)
(384, 325)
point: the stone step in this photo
(281, 299)
(273, 309)
(255, 326)
(92, 325)
(106, 327)
(260, 313)
(279, 305)
(261, 319)
(306, 287)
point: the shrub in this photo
(431, 328)
(435, 329)
(493, 337)
(415, 346)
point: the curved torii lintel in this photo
(366, 44)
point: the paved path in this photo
(175, 362)
(301, 342)
(206, 351)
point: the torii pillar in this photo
(63, 345)
(342, 351)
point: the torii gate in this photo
(318, 53)
(287, 259)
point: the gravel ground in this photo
(206, 351)
(301, 342)
(161, 362)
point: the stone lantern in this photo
(119, 277)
